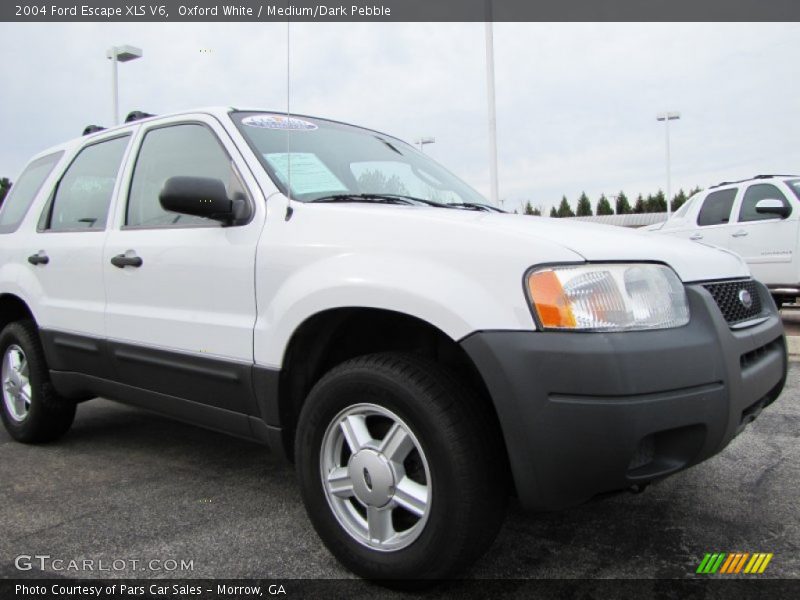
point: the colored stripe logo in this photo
(734, 563)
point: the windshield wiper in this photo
(377, 198)
(415, 199)
(465, 205)
(476, 206)
(404, 199)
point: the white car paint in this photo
(768, 246)
(241, 292)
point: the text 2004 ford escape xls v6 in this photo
(334, 293)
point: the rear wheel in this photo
(32, 411)
(400, 468)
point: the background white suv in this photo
(755, 218)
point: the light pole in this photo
(490, 96)
(118, 54)
(612, 200)
(667, 117)
(422, 141)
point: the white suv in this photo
(333, 293)
(755, 218)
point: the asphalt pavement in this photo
(125, 484)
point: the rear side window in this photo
(83, 194)
(760, 191)
(23, 192)
(717, 207)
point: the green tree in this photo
(553, 213)
(694, 191)
(604, 206)
(660, 202)
(638, 207)
(655, 203)
(678, 201)
(528, 208)
(564, 209)
(537, 212)
(584, 206)
(5, 187)
(623, 206)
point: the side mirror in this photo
(768, 206)
(201, 197)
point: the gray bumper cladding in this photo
(587, 413)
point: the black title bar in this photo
(397, 10)
(65, 588)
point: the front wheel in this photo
(400, 468)
(32, 411)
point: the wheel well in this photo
(332, 337)
(13, 308)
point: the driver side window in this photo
(755, 193)
(178, 150)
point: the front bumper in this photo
(587, 413)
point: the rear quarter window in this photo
(24, 190)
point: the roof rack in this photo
(92, 129)
(711, 187)
(136, 115)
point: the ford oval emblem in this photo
(745, 298)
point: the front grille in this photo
(727, 296)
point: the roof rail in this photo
(136, 115)
(92, 129)
(711, 187)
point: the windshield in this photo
(311, 159)
(794, 185)
(681, 212)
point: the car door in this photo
(180, 314)
(766, 241)
(713, 218)
(66, 258)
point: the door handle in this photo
(126, 260)
(739, 234)
(696, 236)
(40, 258)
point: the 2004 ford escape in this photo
(333, 293)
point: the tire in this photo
(447, 497)
(38, 414)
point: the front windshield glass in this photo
(794, 185)
(681, 212)
(312, 159)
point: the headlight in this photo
(608, 297)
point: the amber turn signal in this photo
(551, 303)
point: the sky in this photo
(576, 102)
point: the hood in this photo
(524, 239)
(597, 243)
